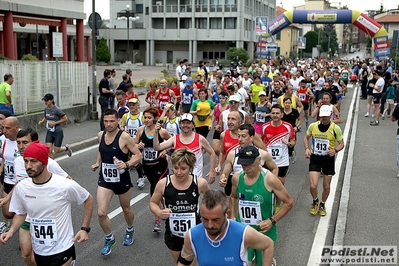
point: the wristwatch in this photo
(272, 220)
(127, 165)
(87, 229)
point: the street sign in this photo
(383, 52)
(381, 45)
(301, 42)
(272, 47)
(261, 25)
(98, 20)
(57, 44)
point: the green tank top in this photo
(255, 203)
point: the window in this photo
(231, 2)
(139, 8)
(201, 2)
(216, 23)
(171, 23)
(278, 36)
(204, 55)
(217, 2)
(230, 23)
(200, 23)
(222, 55)
(185, 23)
(157, 23)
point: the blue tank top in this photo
(259, 118)
(187, 96)
(107, 152)
(228, 251)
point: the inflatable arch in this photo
(376, 31)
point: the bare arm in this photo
(156, 199)
(337, 117)
(205, 145)
(187, 252)
(257, 141)
(234, 203)
(228, 167)
(136, 157)
(269, 163)
(256, 240)
(164, 145)
(17, 222)
(299, 105)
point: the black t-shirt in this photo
(104, 84)
(291, 117)
(396, 115)
(370, 89)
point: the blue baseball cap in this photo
(189, 82)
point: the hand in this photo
(162, 154)
(8, 105)
(285, 141)
(223, 182)
(4, 201)
(210, 128)
(217, 169)
(265, 225)
(218, 128)
(95, 166)
(331, 152)
(81, 236)
(40, 122)
(5, 237)
(51, 124)
(158, 126)
(141, 145)
(165, 213)
(307, 154)
(211, 177)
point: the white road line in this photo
(132, 201)
(63, 157)
(322, 228)
(344, 201)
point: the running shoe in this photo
(140, 183)
(68, 150)
(397, 176)
(109, 243)
(322, 211)
(293, 157)
(5, 227)
(129, 238)
(274, 263)
(307, 123)
(383, 117)
(315, 207)
(374, 123)
(367, 114)
(372, 115)
(157, 227)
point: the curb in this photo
(80, 145)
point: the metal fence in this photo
(32, 80)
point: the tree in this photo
(311, 41)
(328, 38)
(102, 51)
(241, 52)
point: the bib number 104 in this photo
(248, 212)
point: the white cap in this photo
(262, 93)
(325, 110)
(234, 98)
(188, 117)
(184, 77)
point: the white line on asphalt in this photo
(63, 157)
(344, 201)
(322, 228)
(132, 201)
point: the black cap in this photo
(6, 113)
(247, 155)
(48, 96)
(303, 81)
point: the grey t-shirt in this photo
(53, 114)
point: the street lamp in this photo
(127, 15)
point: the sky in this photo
(103, 7)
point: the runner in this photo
(262, 112)
(219, 240)
(150, 97)
(180, 187)
(164, 95)
(121, 107)
(322, 153)
(202, 109)
(51, 220)
(112, 159)
(305, 95)
(215, 121)
(291, 116)
(54, 117)
(187, 96)
(254, 191)
(279, 136)
(155, 165)
(194, 141)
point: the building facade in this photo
(287, 39)
(27, 27)
(169, 30)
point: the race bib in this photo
(44, 232)
(250, 212)
(162, 105)
(186, 99)
(132, 132)
(259, 118)
(180, 223)
(9, 170)
(302, 96)
(149, 154)
(274, 101)
(51, 129)
(321, 147)
(110, 173)
(275, 151)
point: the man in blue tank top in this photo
(219, 240)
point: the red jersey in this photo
(302, 95)
(195, 147)
(127, 97)
(273, 136)
(151, 95)
(229, 143)
(199, 85)
(164, 99)
(176, 90)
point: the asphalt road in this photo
(296, 231)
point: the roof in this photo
(388, 19)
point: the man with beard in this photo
(112, 159)
(192, 140)
(219, 240)
(51, 219)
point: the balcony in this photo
(188, 8)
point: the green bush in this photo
(153, 80)
(29, 57)
(241, 52)
(102, 52)
(141, 84)
(2, 57)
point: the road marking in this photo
(344, 200)
(132, 201)
(322, 228)
(63, 157)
